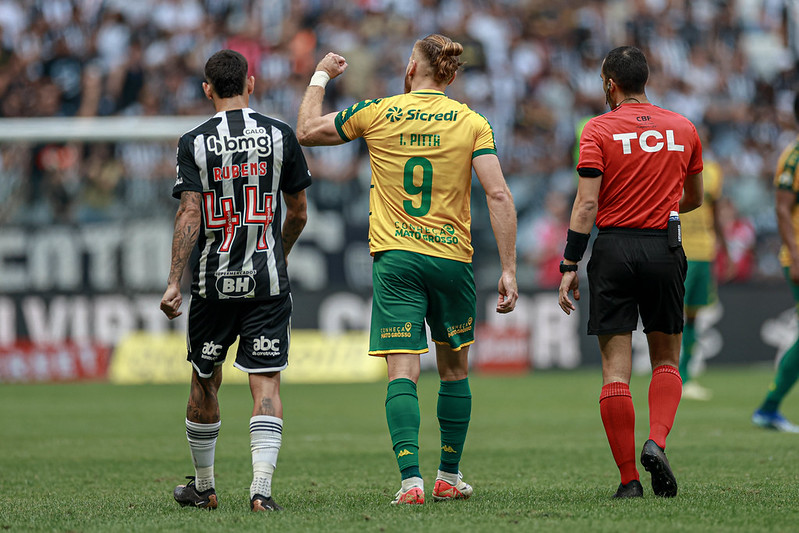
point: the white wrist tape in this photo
(320, 79)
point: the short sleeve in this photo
(591, 155)
(296, 175)
(188, 178)
(695, 164)
(354, 121)
(786, 176)
(484, 143)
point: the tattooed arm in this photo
(296, 217)
(187, 229)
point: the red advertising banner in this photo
(502, 349)
(27, 362)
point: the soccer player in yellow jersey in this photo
(700, 235)
(787, 206)
(423, 147)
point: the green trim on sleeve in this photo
(484, 151)
(339, 123)
(787, 178)
(490, 128)
(346, 114)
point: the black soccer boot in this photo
(633, 489)
(653, 458)
(262, 503)
(189, 495)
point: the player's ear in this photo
(453, 78)
(208, 90)
(250, 84)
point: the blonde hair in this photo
(442, 54)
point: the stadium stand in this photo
(532, 69)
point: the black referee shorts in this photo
(634, 271)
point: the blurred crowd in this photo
(532, 68)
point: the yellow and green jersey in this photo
(787, 178)
(421, 146)
(698, 233)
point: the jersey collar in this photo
(242, 109)
(430, 92)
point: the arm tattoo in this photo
(291, 231)
(187, 229)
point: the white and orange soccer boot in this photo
(411, 492)
(451, 487)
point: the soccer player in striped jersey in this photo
(232, 171)
(786, 182)
(701, 234)
(423, 147)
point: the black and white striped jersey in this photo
(240, 161)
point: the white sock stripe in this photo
(202, 443)
(266, 437)
(202, 431)
(266, 423)
(202, 436)
(198, 425)
(266, 418)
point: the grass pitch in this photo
(99, 457)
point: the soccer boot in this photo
(189, 495)
(263, 503)
(444, 490)
(653, 458)
(633, 489)
(694, 391)
(411, 492)
(773, 420)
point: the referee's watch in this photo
(567, 268)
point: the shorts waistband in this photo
(649, 232)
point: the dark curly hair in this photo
(226, 72)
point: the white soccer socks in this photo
(202, 443)
(266, 435)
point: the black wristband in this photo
(567, 268)
(576, 243)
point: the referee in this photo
(639, 165)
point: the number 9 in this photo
(425, 189)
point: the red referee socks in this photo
(665, 391)
(618, 417)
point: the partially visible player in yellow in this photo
(701, 236)
(786, 182)
(423, 147)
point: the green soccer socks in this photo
(787, 374)
(454, 411)
(402, 415)
(688, 343)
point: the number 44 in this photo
(228, 219)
